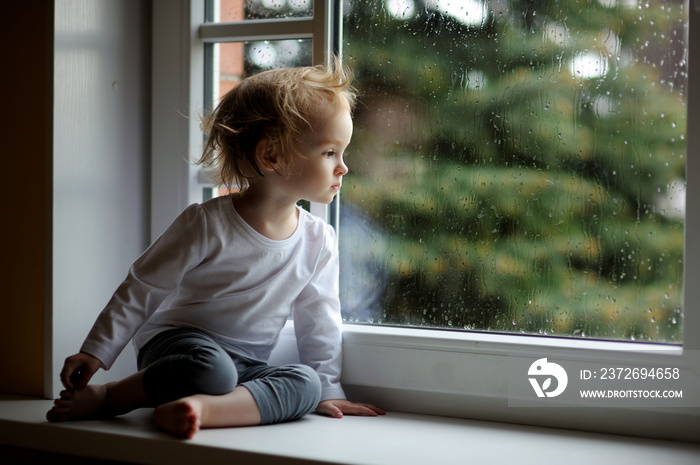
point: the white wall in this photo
(101, 168)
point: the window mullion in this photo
(261, 29)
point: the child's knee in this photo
(211, 372)
(202, 370)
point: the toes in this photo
(192, 426)
(189, 434)
(177, 418)
(62, 403)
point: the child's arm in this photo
(317, 320)
(152, 277)
(318, 327)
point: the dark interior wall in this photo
(26, 83)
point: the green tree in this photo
(517, 164)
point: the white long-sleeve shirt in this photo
(211, 270)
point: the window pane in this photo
(233, 61)
(517, 166)
(240, 10)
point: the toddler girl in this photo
(205, 303)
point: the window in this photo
(518, 166)
(464, 373)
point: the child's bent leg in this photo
(100, 401)
(183, 362)
(184, 417)
(173, 365)
(283, 393)
(268, 395)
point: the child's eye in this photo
(329, 153)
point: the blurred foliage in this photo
(516, 190)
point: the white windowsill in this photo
(467, 375)
(396, 438)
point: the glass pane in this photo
(240, 10)
(517, 166)
(233, 61)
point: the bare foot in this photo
(181, 418)
(89, 403)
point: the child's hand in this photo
(77, 371)
(338, 407)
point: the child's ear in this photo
(266, 155)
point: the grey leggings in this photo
(184, 361)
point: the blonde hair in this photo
(278, 106)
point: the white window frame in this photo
(460, 374)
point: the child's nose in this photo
(342, 168)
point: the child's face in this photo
(318, 174)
